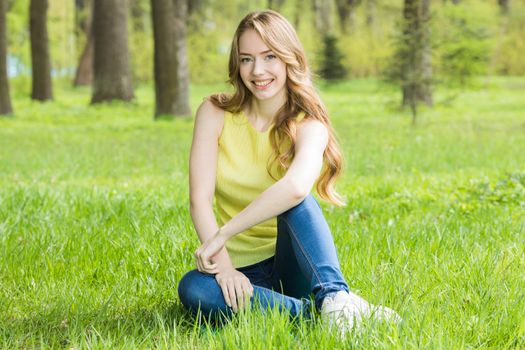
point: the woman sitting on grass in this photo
(260, 151)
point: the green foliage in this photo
(141, 41)
(208, 58)
(331, 66)
(141, 56)
(394, 71)
(210, 30)
(507, 56)
(18, 34)
(462, 43)
(95, 232)
(469, 38)
(508, 190)
(62, 39)
(365, 53)
(367, 48)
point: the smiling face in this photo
(261, 71)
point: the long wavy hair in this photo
(279, 35)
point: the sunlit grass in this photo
(95, 233)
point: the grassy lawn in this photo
(95, 231)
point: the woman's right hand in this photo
(236, 287)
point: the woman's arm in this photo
(203, 167)
(312, 138)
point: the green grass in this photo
(95, 231)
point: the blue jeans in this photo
(305, 263)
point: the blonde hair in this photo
(279, 35)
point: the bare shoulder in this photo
(209, 116)
(310, 128)
(209, 111)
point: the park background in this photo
(94, 225)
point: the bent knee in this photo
(188, 287)
(199, 291)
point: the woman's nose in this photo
(258, 67)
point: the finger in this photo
(207, 264)
(212, 272)
(197, 260)
(198, 253)
(225, 293)
(249, 289)
(199, 263)
(210, 268)
(233, 296)
(239, 292)
(248, 292)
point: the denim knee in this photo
(198, 291)
(184, 289)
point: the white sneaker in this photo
(347, 310)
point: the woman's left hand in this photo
(206, 251)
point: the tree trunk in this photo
(323, 17)
(170, 62)
(417, 70)
(112, 74)
(426, 61)
(40, 60)
(84, 74)
(345, 10)
(5, 100)
(182, 98)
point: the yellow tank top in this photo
(243, 156)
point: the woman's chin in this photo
(265, 95)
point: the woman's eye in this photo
(246, 59)
(270, 57)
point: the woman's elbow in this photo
(297, 190)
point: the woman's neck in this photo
(264, 112)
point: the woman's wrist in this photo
(220, 234)
(223, 259)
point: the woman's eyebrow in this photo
(260, 53)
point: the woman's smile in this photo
(262, 84)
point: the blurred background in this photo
(413, 44)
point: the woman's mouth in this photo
(262, 84)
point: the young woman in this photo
(260, 151)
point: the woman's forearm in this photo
(206, 226)
(278, 198)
